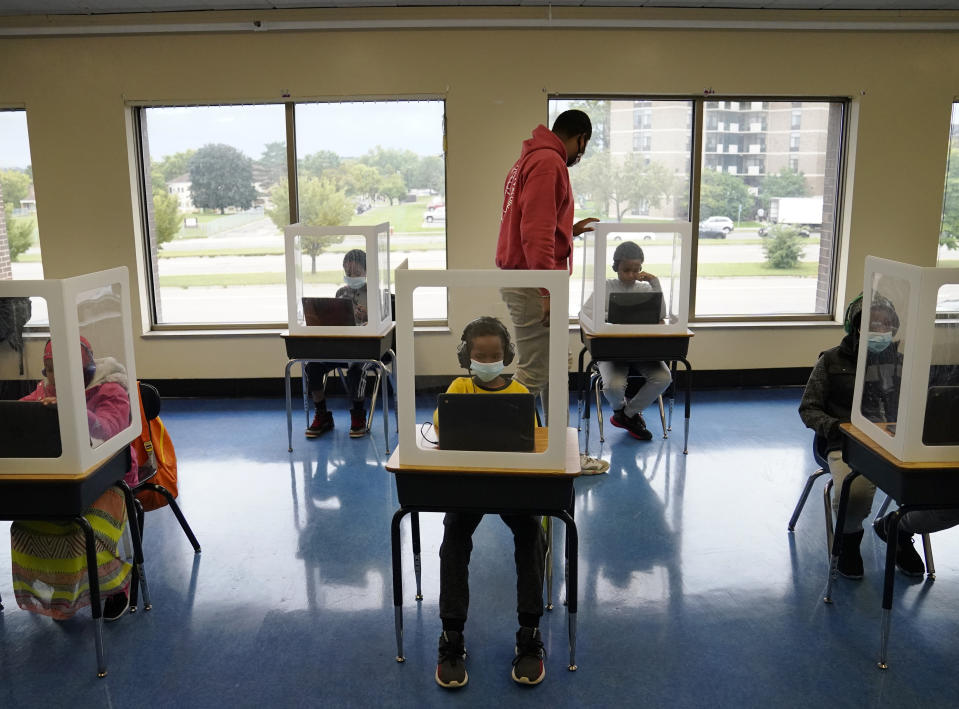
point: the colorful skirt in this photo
(50, 559)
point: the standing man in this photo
(536, 233)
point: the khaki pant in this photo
(860, 494)
(525, 307)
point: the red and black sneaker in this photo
(322, 422)
(634, 424)
(358, 427)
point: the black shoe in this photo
(322, 422)
(635, 424)
(908, 560)
(115, 606)
(528, 667)
(451, 661)
(850, 560)
(358, 427)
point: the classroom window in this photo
(219, 182)
(778, 259)
(19, 234)
(949, 228)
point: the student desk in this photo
(365, 349)
(66, 498)
(668, 347)
(535, 492)
(915, 486)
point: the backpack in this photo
(154, 451)
(15, 312)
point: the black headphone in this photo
(463, 349)
(89, 369)
(847, 318)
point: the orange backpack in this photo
(154, 451)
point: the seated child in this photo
(354, 268)
(49, 558)
(485, 348)
(628, 413)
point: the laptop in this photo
(486, 422)
(642, 308)
(28, 429)
(941, 425)
(329, 311)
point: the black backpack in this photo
(15, 311)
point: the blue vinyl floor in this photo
(692, 593)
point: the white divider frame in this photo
(410, 452)
(380, 319)
(924, 284)
(595, 320)
(77, 455)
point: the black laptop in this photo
(642, 308)
(329, 311)
(486, 422)
(941, 425)
(28, 429)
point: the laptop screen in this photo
(642, 308)
(28, 429)
(942, 413)
(329, 311)
(486, 422)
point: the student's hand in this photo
(545, 319)
(643, 276)
(583, 225)
(49, 401)
(360, 311)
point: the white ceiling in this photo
(95, 7)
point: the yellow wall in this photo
(495, 82)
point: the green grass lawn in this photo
(402, 217)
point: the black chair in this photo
(593, 389)
(150, 398)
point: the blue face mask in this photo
(486, 371)
(355, 282)
(879, 341)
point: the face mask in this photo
(355, 282)
(573, 159)
(486, 371)
(879, 341)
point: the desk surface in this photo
(866, 441)
(341, 336)
(652, 335)
(573, 465)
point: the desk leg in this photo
(837, 534)
(572, 590)
(580, 388)
(672, 395)
(95, 606)
(397, 581)
(384, 385)
(926, 552)
(889, 582)
(689, 393)
(289, 405)
(137, 543)
(586, 419)
(549, 563)
(417, 566)
(391, 375)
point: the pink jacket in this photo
(536, 228)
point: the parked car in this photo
(804, 231)
(437, 214)
(723, 223)
(707, 231)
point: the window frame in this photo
(151, 284)
(698, 139)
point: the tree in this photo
(722, 194)
(321, 204)
(430, 174)
(221, 176)
(317, 164)
(785, 183)
(19, 234)
(15, 186)
(390, 160)
(166, 215)
(783, 248)
(615, 186)
(392, 187)
(172, 165)
(272, 164)
(363, 180)
(949, 232)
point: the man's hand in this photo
(584, 225)
(545, 320)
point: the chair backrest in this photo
(820, 451)
(150, 398)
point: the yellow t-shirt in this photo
(466, 385)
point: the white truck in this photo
(802, 212)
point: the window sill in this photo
(256, 332)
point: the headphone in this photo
(847, 318)
(89, 369)
(469, 332)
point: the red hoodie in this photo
(536, 229)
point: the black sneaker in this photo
(358, 427)
(850, 560)
(908, 560)
(115, 606)
(322, 422)
(451, 660)
(635, 424)
(528, 667)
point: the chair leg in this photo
(178, 513)
(594, 384)
(376, 391)
(883, 507)
(662, 415)
(827, 504)
(927, 552)
(549, 563)
(802, 499)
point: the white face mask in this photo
(879, 341)
(355, 282)
(486, 371)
